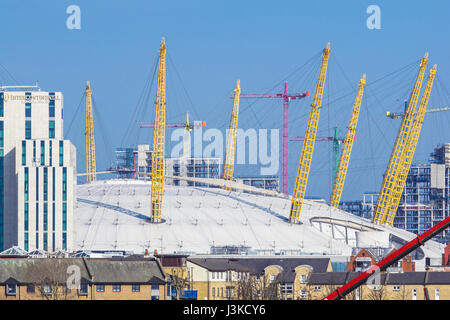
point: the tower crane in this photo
(384, 211)
(187, 129)
(344, 159)
(228, 164)
(159, 139)
(286, 98)
(308, 144)
(336, 142)
(393, 115)
(91, 168)
(410, 147)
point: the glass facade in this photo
(42, 153)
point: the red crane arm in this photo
(272, 95)
(390, 259)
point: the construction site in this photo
(153, 205)
(202, 210)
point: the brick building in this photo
(99, 279)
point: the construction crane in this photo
(392, 258)
(308, 144)
(341, 172)
(91, 168)
(285, 153)
(410, 147)
(159, 139)
(393, 115)
(336, 142)
(187, 129)
(384, 210)
(228, 164)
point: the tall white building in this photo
(37, 171)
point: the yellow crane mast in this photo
(410, 148)
(228, 164)
(385, 199)
(158, 139)
(91, 168)
(308, 143)
(341, 171)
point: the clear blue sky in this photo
(213, 43)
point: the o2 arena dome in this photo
(115, 215)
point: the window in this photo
(100, 288)
(116, 287)
(30, 288)
(286, 288)
(45, 184)
(414, 294)
(1, 105)
(51, 129)
(303, 278)
(61, 153)
(48, 290)
(396, 288)
(272, 278)
(155, 292)
(213, 275)
(64, 241)
(27, 129)
(42, 153)
(317, 288)
(84, 289)
(51, 105)
(437, 294)
(50, 158)
(24, 153)
(64, 184)
(221, 292)
(26, 216)
(45, 216)
(26, 184)
(136, 287)
(64, 216)
(1, 134)
(27, 110)
(213, 292)
(11, 289)
(303, 293)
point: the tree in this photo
(180, 279)
(49, 277)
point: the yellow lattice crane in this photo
(91, 167)
(384, 208)
(228, 164)
(158, 139)
(308, 143)
(410, 148)
(344, 159)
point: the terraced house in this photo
(82, 279)
(252, 278)
(388, 286)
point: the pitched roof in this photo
(29, 270)
(256, 265)
(34, 270)
(406, 278)
(328, 278)
(438, 278)
(126, 271)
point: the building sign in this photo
(30, 98)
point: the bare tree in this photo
(248, 288)
(49, 278)
(379, 292)
(180, 279)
